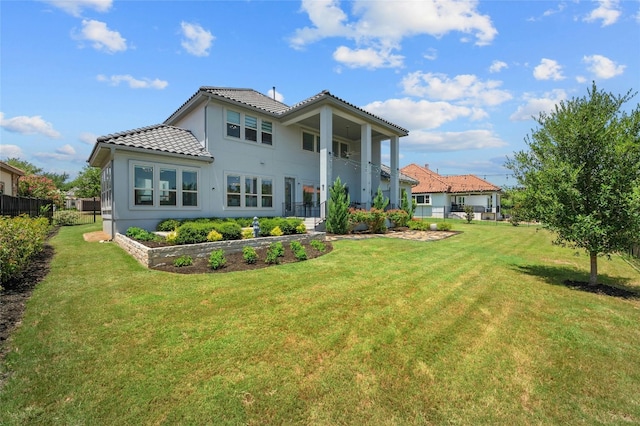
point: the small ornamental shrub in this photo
(183, 260)
(444, 226)
(276, 232)
(301, 229)
(214, 236)
(140, 234)
(194, 232)
(468, 213)
(400, 218)
(249, 254)
(230, 230)
(298, 250)
(318, 245)
(171, 237)
(376, 221)
(217, 259)
(418, 225)
(66, 218)
(168, 225)
(274, 253)
(338, 204)
(380, 202)
(247, 233)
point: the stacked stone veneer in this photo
(158, 256)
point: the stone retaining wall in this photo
(158, 256)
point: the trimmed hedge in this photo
(21, 238)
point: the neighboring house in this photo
(9, 176)
(447, 196)
(238, 153)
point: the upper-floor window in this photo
(249, 128)
(310, 142)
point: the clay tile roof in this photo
(431, 182)
(159, 138)
(248, 97)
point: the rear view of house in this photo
(237, 153)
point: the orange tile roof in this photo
(431, 182)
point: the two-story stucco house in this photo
(230, 152)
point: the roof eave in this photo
(106, 145)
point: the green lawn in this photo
(474, 329)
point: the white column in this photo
(365, 164)
(326, 141)
(394, 189)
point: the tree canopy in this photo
(87, 184)
(581, 174)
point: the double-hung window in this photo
(422, 199)
(158, 185)
(106, 183)
(340, 149)
(249, 191)
(248, 128)
(310, 142)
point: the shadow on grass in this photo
(577, 280)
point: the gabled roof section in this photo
(326, 95)
(432, 182)
(160, 137)
(385, 172)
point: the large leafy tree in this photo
(581, 174)
(25, 166)
(87, 183)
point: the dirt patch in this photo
(97, 236)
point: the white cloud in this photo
(88, 138)
(431, 54)
(29, 126)
(534, 106)
(603, 67)
(581, 79)
(465, 88)
(497, 66)
(63, 153)
(75, 7)
(101, 36)
(10, 151)
(134, 83)
(548, 70)
(608, 11)
(422, 114)
(197, 40)
(423, 141)
(367, 58)
(381, 26)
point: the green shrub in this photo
(140, 234)
(318, 245)
(66, 218)
(276, 232)
(444, 226)
(418, 225)
(468, 213)
(217, 259)
(194, 232)
(214, 236)
(21, 238)
(380, 202)
(374, 219)
(230, 230)
(301, 229)
(338, 203)
(247, 233)
(168, 225)
(249, 254)
(288, 226)
(183, 260)
(298, 250)
(274, 253)
(399, 217)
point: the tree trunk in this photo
(593, 278)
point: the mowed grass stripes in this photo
(473, 329)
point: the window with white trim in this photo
(158, 185)
(248, 127)
(246, 191)
(422, 199)
(310, 142)
(106, 184)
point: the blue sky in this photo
(464, 77)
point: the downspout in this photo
(113, 195)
